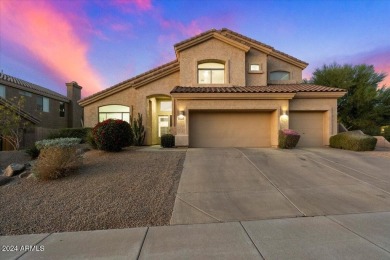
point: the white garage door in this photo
(229, 129)
(310, 125)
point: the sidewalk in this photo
(354, 236)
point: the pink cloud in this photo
(47, 35)
(132, 6)
(121, 27)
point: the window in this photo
(279, 75)
(163, 125)
(25, 93)
(114, 112)
(254, 68)
(2, 91)
(211, 73)
(62, 109)
(43, 104)
(166, 106)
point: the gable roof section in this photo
(206, 36)
(31, 87)
(288, 88)
(22, 113)
(136, 82)
(240, 40)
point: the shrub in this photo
(60, 142)
(167, 140)
(353, 140)
(56, 161)
(33, 152)
(112, 135)
(91, 140)
(138, 131)
(81, 133)
(288, 138)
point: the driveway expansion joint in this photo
(273, 184)
(357, 234)
(246, 232)
(202, 211)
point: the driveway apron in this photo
(221, 184)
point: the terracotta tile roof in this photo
(135, 79)
(195, 37)
(28, 86)
(288, 88)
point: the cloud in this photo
(47, 35)
(132, 6)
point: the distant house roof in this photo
(20, 112)
(31, 87)
(288, 88)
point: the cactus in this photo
(138, 131)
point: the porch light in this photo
(284, 116)
(181, 115)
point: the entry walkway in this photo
(355, 236)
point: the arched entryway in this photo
(159, 117)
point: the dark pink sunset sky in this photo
(99, 43)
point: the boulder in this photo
(14, 169)
(4, 180)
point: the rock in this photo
(25, 174)
(81, 151)
(4, 180)
(14, 169)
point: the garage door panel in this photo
(310, 126)
(229, 129)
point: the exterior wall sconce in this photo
(181, 115)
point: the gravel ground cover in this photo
(131, 188)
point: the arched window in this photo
(211, 73)
(279, 75)
(114, 112)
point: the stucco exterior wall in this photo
(256, 78)
(274, 64)
(212, 49)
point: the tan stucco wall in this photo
(256, 57)
(273, 106)
(274, 64)
(137, 99)
(233, 57)
(328, 106)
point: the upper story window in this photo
(62, 109)
(279, 75)
(114, 112)
(2, 91)
(43, 104)
(211, 73)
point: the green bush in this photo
(112, 135)
(33, 152)
(353, 140)
(138, 131)
(288, 138)
(81, 133)
(56, 161)
(167, 141)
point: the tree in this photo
(365, 106)
(12, 124)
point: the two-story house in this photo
(43, 108)
(223, 90)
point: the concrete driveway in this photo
(238, 184)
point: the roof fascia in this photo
(209, 36)
(249, 96)
(320, 94)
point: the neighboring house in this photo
(223, 90)
(44, 109)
